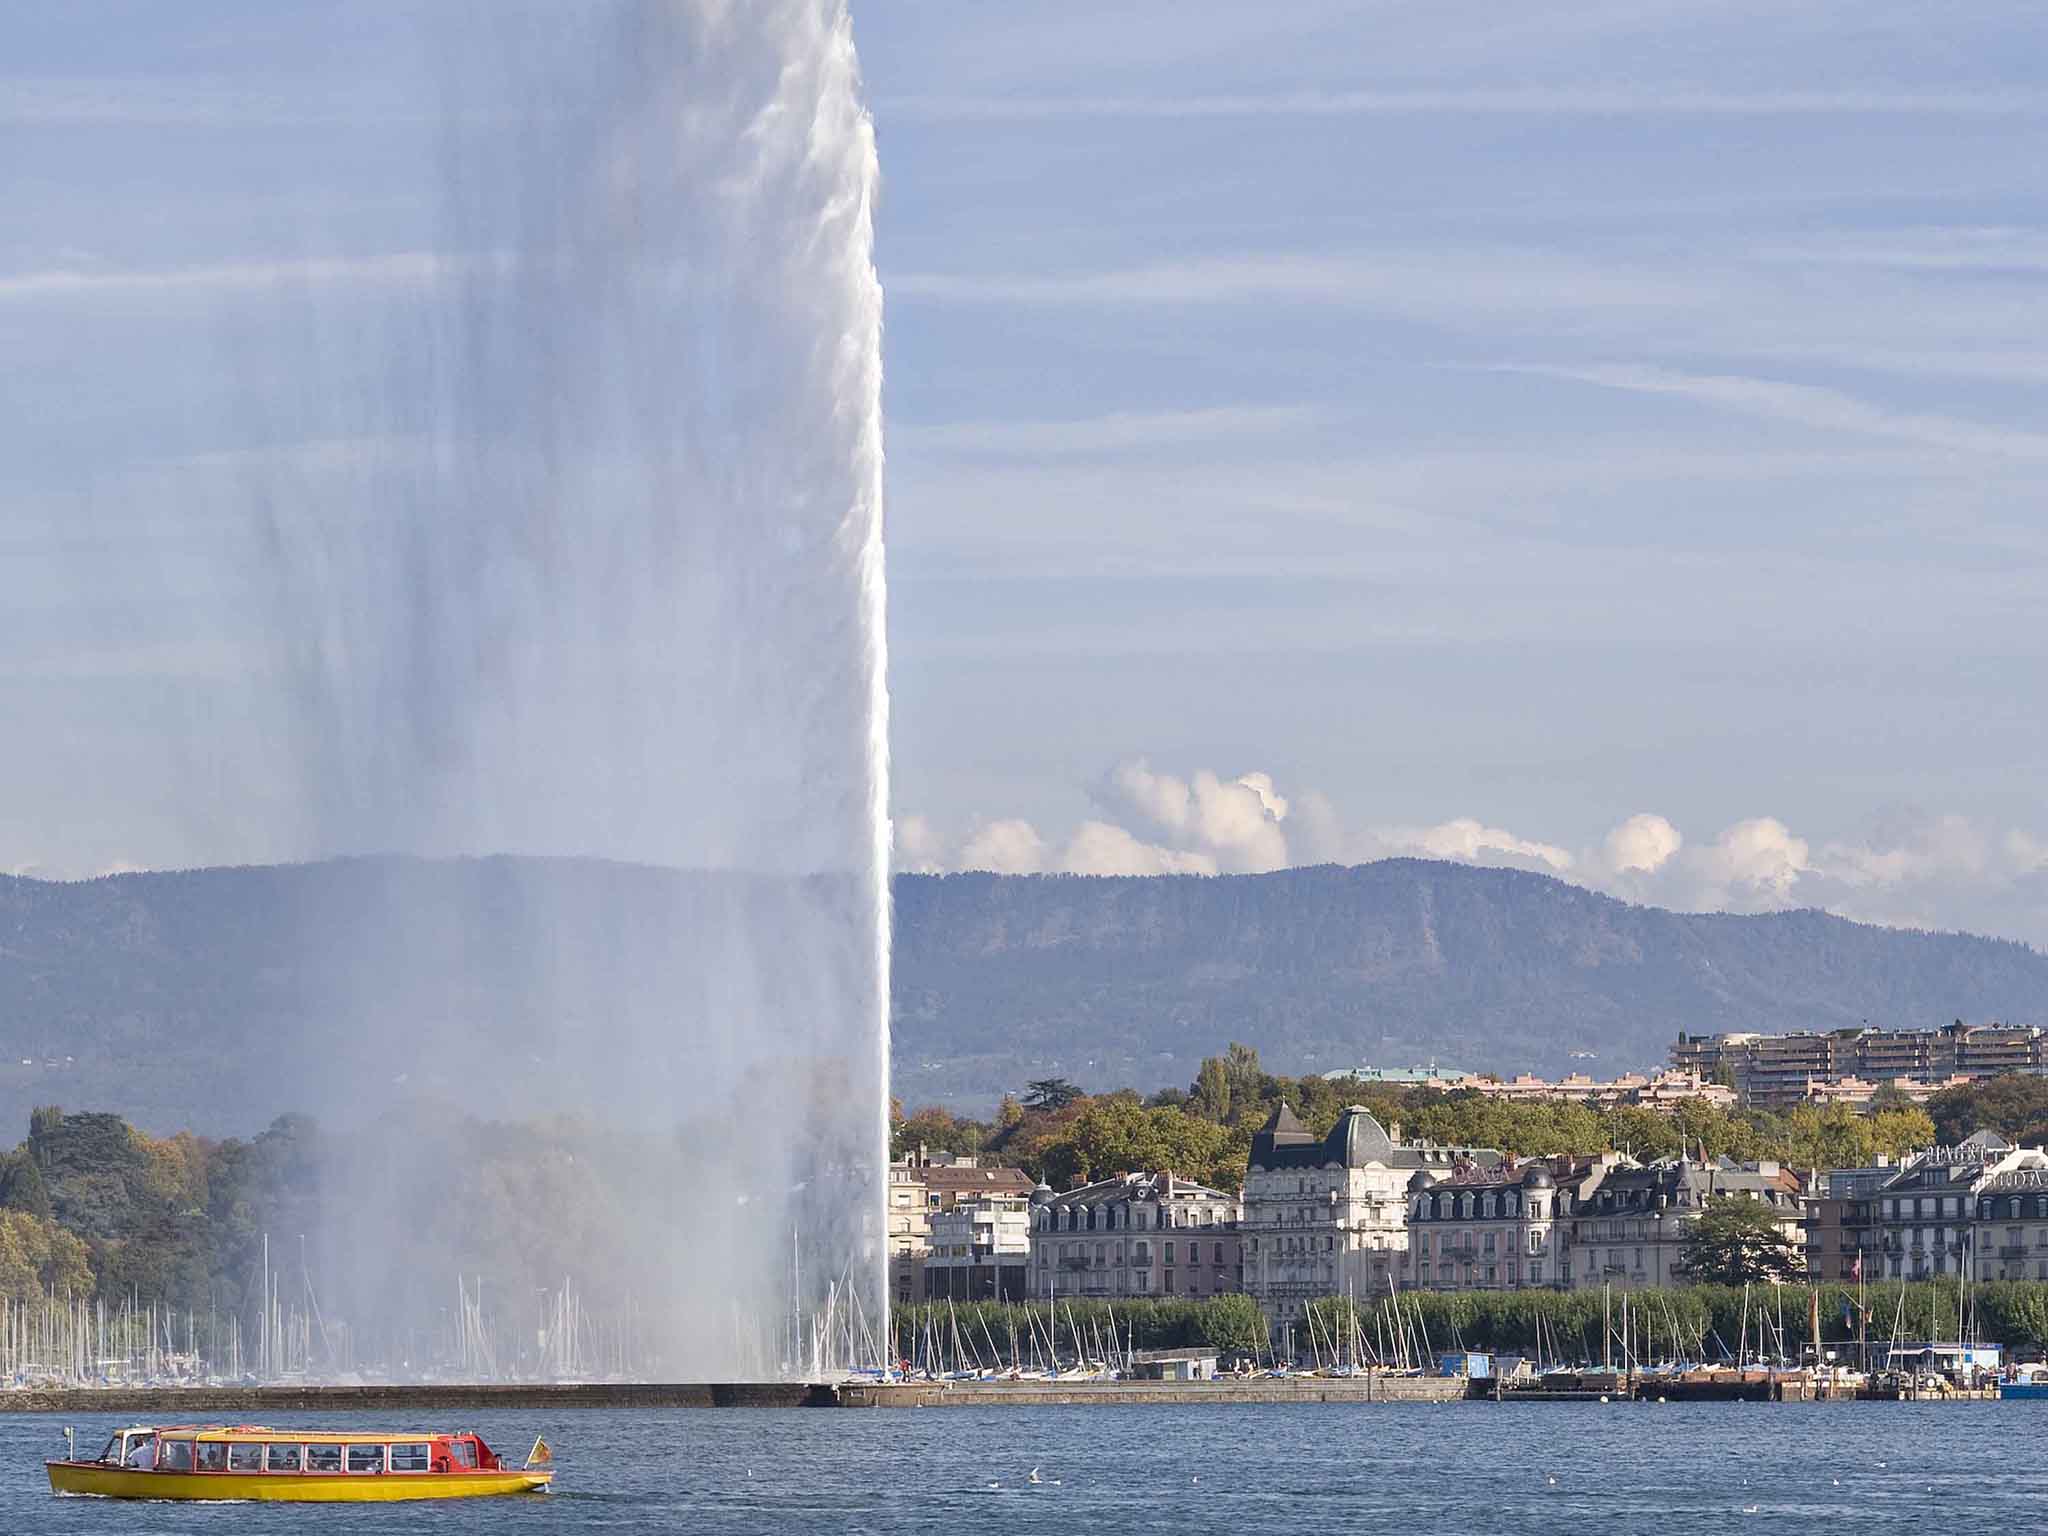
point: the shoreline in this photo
(198, 1404)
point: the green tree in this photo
(1210, 1095)
(1050, 1093)
(1233, 1325)
(1901, 1129)
(1736, 1241)
(2015, 1105)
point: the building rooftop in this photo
(1355, 1141)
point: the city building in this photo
(1629, 1229)
(2011, 1237)
(926, 1182)
(1672, 1087)
(1137, 1234)
(1928, 1212)
(1496, 1228)
(1399, 1077)
(1776, 1070)
(980, 1249)
(1328, 1216)
(1859, 1093)
(1482, 1231)
(1840, 1232)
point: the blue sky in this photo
(1600, 437)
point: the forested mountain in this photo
(213, 999)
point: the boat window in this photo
(174, 1456)
(366, 1458)
(246, 1457)
(410, 1456)
(283, 1458)
(142, 1454)
(213, 1456)
(323, 1458)
(464, 1452)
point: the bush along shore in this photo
(1697, 1323)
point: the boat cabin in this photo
(252, 1448)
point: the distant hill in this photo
(216, 998)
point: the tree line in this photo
(1692, 1322)
(1058, 1133)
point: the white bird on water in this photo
(1034, 1477)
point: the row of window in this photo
(1077, 1218)
(1141, 1253)
(1465, 1207)
(275, 1456)
(1452, 1241)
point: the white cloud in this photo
(1753, 863)
(917, 845)
(1468, 839)
(1098, 848)
(1005, 847)
(1234, 823)
(1642, 845)
(1906, 867)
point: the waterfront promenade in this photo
(242, 1402)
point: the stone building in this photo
(1929, 1213)
(1780, 1070)
(980, 1249)
(1328, 1216)
(927, 1182)
(2010, 1240)
(1629, 1229)
(1137, 1234)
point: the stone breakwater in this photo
(253, 1403)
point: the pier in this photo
(202, 1403)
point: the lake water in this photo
(1461, 1467)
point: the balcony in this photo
(2012, 1250)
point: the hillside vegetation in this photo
(209, 999)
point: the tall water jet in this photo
(586, 561)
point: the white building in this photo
(1329, 1216)
(1137, 1234)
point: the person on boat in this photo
(213, 1456)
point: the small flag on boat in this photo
(541, 1454)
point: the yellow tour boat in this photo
(302, 1466)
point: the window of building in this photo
(1169, 1253)
(1168, 1287)
(282, 1458)
(1535, 1271)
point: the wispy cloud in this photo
(1466, 281)
(1941, 248)
(84, 281)
(1535, 101)
(150, 101)
(1117, 432)
(1806, 404)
